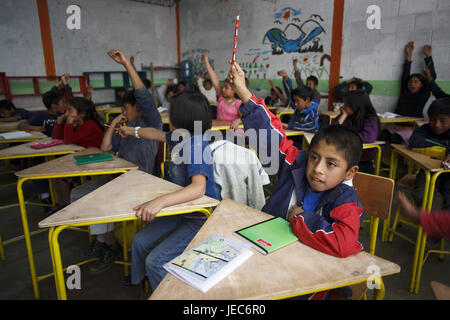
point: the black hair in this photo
(147, 83)
(421, 78)
(52, 97)
(181, 83)
(440, 106)
(207, 80)
(129, 98)
(273, 90)
(361, 105)
(313, 79)
(7, 105)
(171, 88)
(123, 89)
(304, 93)
(343, 139)
(357, 83)
(186, 108)
(88, 108)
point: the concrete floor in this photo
(15, 280)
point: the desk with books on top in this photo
(291, 271)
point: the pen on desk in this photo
(434, 142)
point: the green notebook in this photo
(269, 235)
(95, 157)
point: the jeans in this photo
(159, 242)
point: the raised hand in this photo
(118, 56)
(409, 49)
(236, 77)
(428, 50)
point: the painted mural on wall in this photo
(296, 32)
(296, 35)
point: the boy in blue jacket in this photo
(306, 114)
(323, 211)
(434, 133)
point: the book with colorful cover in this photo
(269, 235)
(94, 157)
(212, 260)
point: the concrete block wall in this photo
(146, 31)
(378, 55)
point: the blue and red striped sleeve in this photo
(255, 115)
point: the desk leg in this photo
(26, 233)
(50, 236)
(419, 233)
(57, 263)
(378, 161)
(423, 241)
(392, 174)
(125, 246)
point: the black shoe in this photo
(95, 251)
(106, 260)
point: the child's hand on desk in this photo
(148, 210)
(294, 211)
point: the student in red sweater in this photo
(80, 125)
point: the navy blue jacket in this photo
(333, 227)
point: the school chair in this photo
(375, 194)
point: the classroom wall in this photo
(146, 31)
(378, 55)
(374, 55)
(211, 27)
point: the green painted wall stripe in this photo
(380, 87)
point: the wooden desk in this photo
(294, 270)
(25, 151)
(222, 125)
(35, 135)
(399, 119)
(9, 126)
(111, 111)
(281, 111)
(331, 114)
(110, 203)
(432, 168)
(60, 168)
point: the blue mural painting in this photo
(297, 36)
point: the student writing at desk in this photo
(191, 167)
(323, 211)
(436, 135)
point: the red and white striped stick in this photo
(235, 37)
